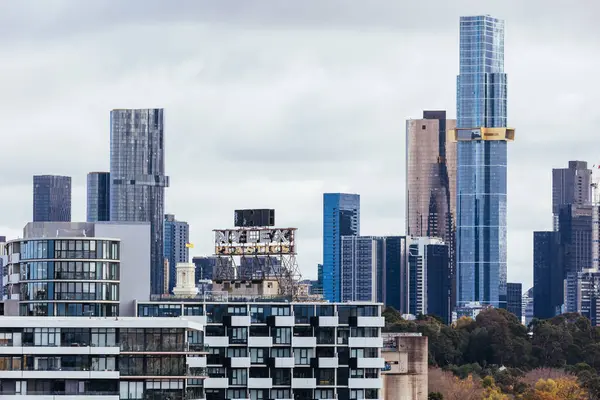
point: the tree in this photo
(435, 396)
(565, 388)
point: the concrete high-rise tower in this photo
(482, 137)
(137, 177)
(51, 198)
(176, 240)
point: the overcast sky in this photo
(268, 104)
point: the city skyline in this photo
(309, 173)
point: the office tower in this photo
(431, 180)
(259, 266)
(582, 290)
(176, 239)
(429, 280)
(576, 233)
(482, 138)
(570, 186)
(98, 196)
(527, 307)
(137, 174)
(514, 299)
(51, 198)
(394, 281)
(548, 274)
(318, 288)
(360, 263)
(341, 217)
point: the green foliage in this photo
(497, 345)
(435, 396)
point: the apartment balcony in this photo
(216, 383)
(61, 350)
(376, 342)
(61, 396)
(304, 383)
(260, 341)
(361, 362)
(217, 341)
(365, 383)
(305, 341)
(370, 322)
(324, 362)
(237, 362)
(280, 320)
(324, 321)
(196, 362)
(260, 383)
(281, 362)
(59, 374)
(236, 320)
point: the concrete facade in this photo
(405, 376)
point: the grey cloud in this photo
(270, 104)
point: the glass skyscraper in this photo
(138, 181)
(51, 198)
(341, 217)
(177, 236)
(98, 196)
(482, 137)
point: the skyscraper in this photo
(138, 180)
(98, 196)
(482, 137)
(51, 198)
(514, 299)
(341, 217)
(177, 236)
(548, 274)
(431, 181)
(360, 263)
(570, 185)
(429, 280)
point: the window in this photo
(281, 352)
(238, 376)
(46, 337)
(302, 356)
(103, 364)
(283, 336)
(237, 352)
(238, 335)
(257, 356)
(282, 376)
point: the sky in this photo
(269, 104)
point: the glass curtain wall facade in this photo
(361, 262)
(177, 236)
(482, 138)
(51, 198)
(341, 217)
(98, 196)
(138, 180)
(431, 180)
(570, 186)
(67, 277)
(548, 274)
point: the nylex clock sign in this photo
(255, 241)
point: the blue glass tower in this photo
(341, 217)
(176, 238)
(482, 138)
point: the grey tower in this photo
(51, 198)
(570, 186)
(98, 196)
(138, 181)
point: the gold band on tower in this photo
(482, 133)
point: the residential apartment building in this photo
(482, 139)
(101, 358)
(138, 179)
(282, 350)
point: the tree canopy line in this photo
(496, 344)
